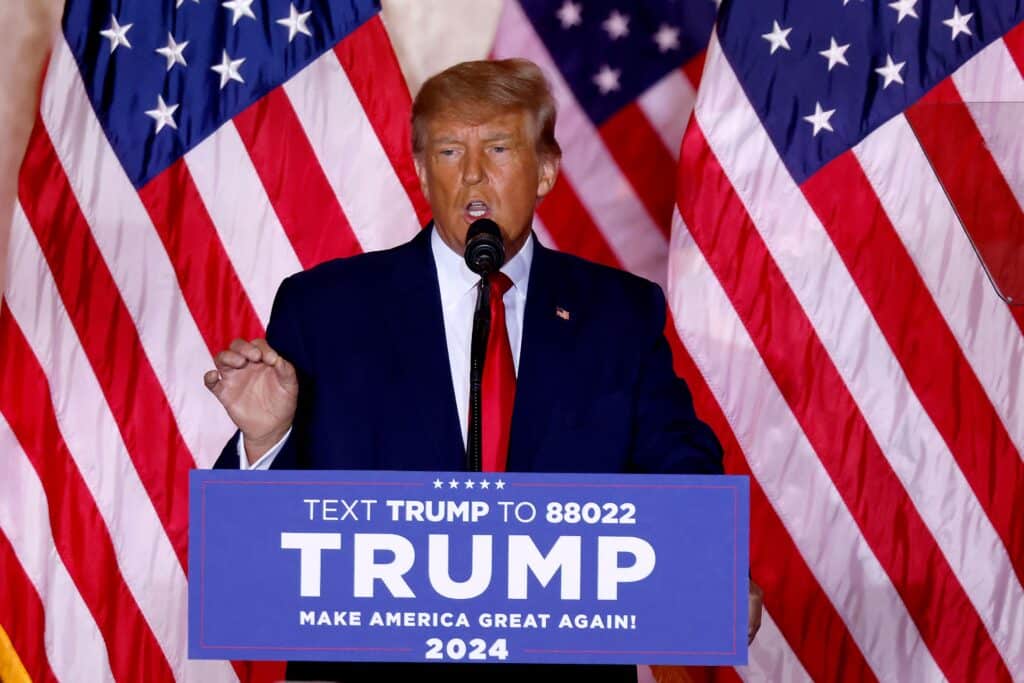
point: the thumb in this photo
(212, 381)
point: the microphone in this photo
(485, 252)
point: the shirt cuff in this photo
(266, 459)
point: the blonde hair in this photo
(476, 91)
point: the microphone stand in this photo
(478, 351)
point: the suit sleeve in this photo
(668, 437)
(284, 334)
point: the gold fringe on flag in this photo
(11, 668)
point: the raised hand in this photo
(259, 390)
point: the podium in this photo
(468, 567)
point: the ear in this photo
(421, 173)
(548, 174)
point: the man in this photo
(366, 362)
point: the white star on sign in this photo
(163, 114)
(499, 484)
(835, 54)
(453, 484)
(469, 483)
(485, 484)
(667, 38)
(173, 52)
(890, 72)
(570, 14)
(958, 22)
(777, 37)
(116, 34)
(239, 9)
(228, 70)
(820, 119)
(438, 483)
(296, 22)
(617, 25)
(607, 79)
(905, 8)
(179, 3)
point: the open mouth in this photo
(477, 209)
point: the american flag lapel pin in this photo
(562, 313)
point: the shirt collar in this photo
(455, 278)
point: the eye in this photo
(447, 152)
(500, 149)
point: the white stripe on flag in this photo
(245, 220)
(927, 224)
(787, 468)
(817, 276)
(74, 645)
(144, 554)
(135, 256)
(336, 125)
(667, 105)
(599, 183)
(992, 87)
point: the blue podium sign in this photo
(468, 566)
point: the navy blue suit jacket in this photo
(595, 392)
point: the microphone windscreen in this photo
(485, 251)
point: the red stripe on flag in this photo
(801, 610)
(807, 379)
(695, 674)
(695, 68)
(644, 160)
(108, 337)
(259, 672)
(723, 674)
(1017, 311)
(369, 61)
(290, 172)
(980, 194)
(845, 202)
(21, 610)
(207, 278)
(1014, 40)
(571, 226)
(79, 531)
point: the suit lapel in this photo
(418, 330)
(545, 356)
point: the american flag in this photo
(848, 242)
(838, 330)
(188, 155)
(625, 77)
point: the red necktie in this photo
(499, 382)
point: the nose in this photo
(473, 168)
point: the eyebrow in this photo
(493, 137)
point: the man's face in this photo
(486, 170)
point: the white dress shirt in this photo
(457, 284)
